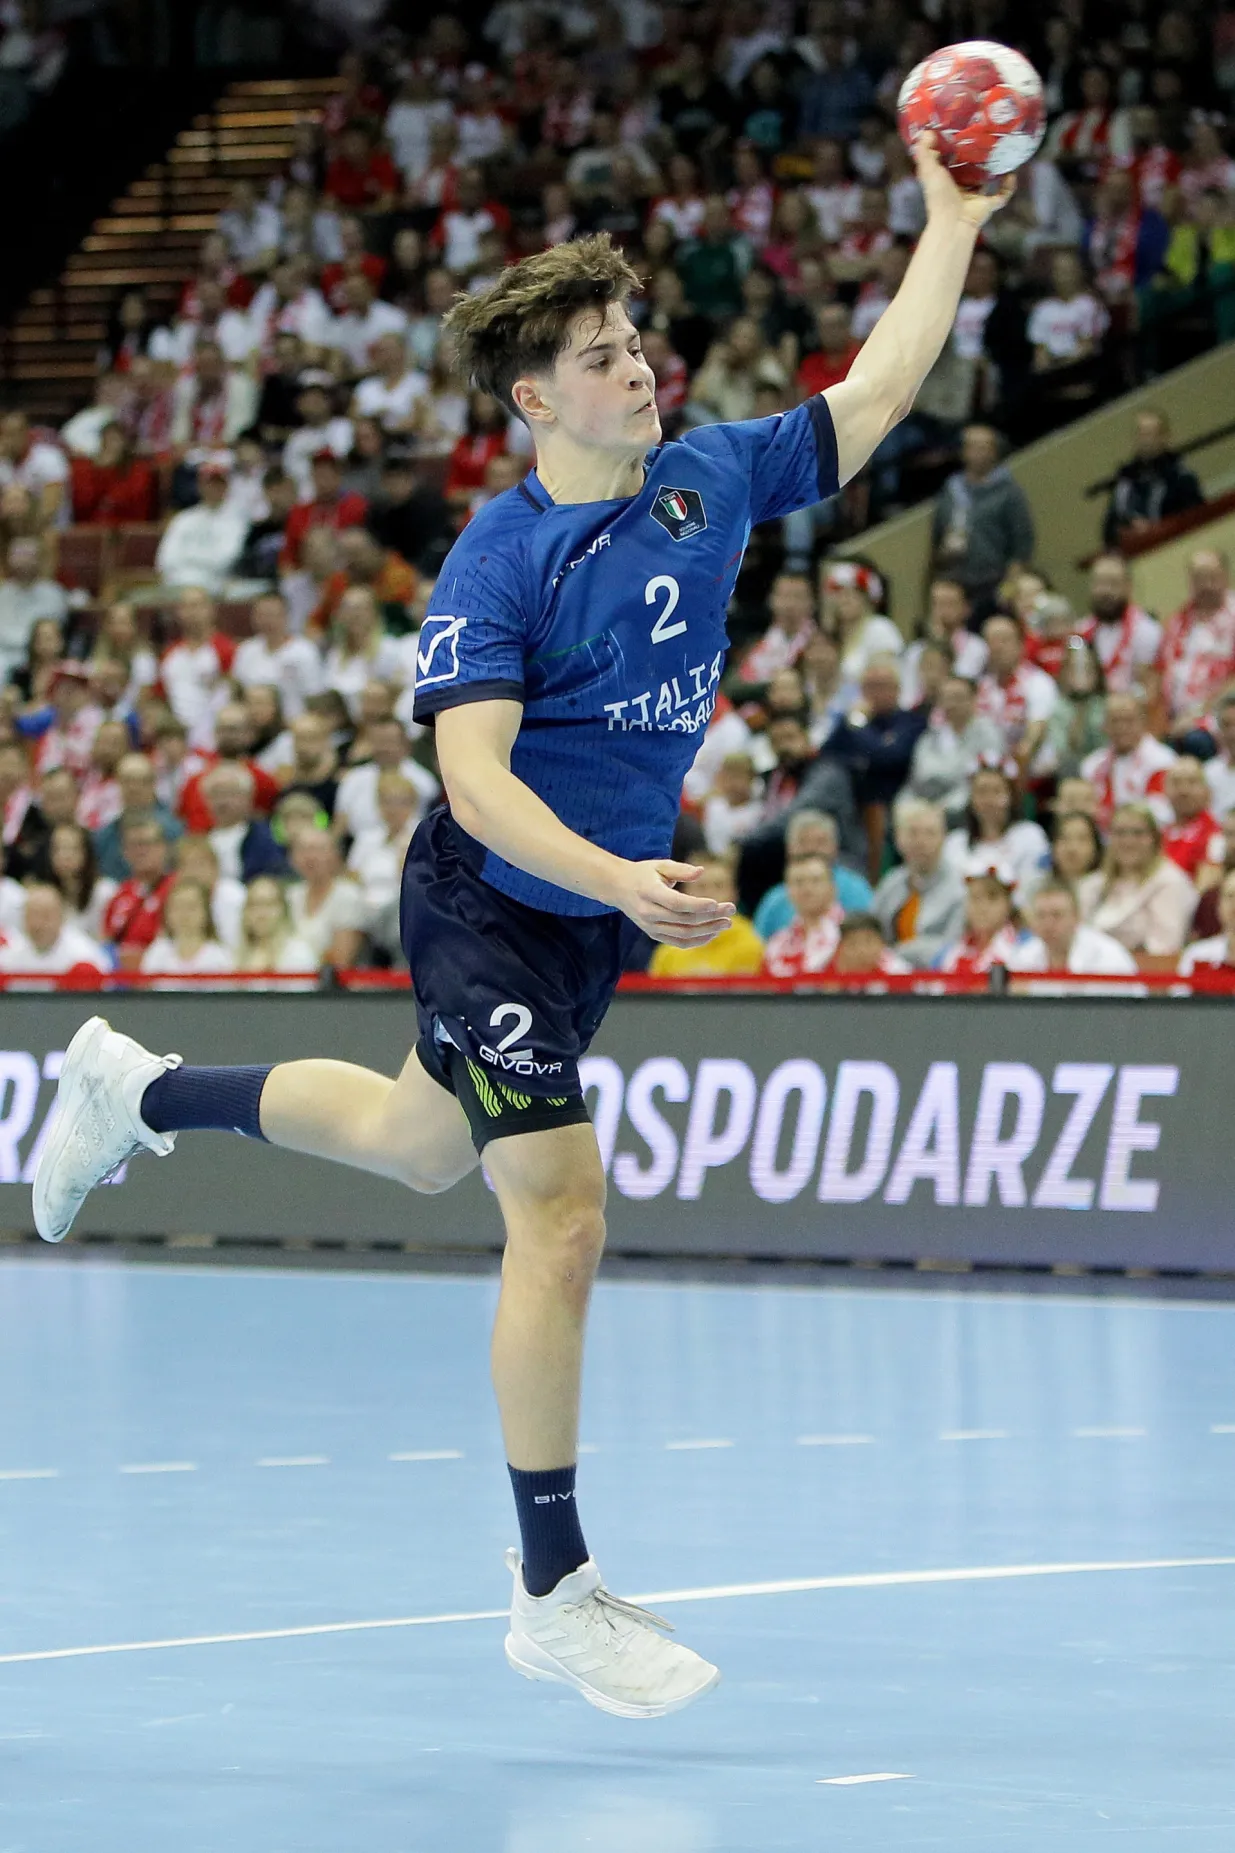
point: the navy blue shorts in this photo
(507, 997)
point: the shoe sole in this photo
(550, 1673)
(73, 1089)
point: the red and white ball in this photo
(984, 103)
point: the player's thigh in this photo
(426, 1130)
(550, 1185)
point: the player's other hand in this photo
(944, 199)
(646, 894)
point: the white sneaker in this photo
(96, 1123)
(610, 1651)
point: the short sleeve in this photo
(472, 642)
(789, 458)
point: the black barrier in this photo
(1006, 1131)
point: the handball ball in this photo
(983, 101)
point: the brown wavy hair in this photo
(521, 323)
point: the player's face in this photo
(602, 392)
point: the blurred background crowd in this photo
(215, 569)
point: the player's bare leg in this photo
(551, 1189)
(409, 1129)
(565, 1627)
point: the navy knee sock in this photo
(206, 1100)
(549, 1524)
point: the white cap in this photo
(982, 862)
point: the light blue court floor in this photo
(232, 1476)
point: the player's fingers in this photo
(678, 871)
(686, 936)
(691, 906)
(1008, 188)
(926, 151)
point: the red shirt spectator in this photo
(195, 811)
(1193, 835)
(469, 460)
(1198, 648)
(134, 916)
(1191, 844)
(361, 178)
(331, 507)
(367, 263)
(114, 488)
(836, 353)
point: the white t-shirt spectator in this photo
(1023, 846)
(200, 546)
(408, 128)
(1138, 777)
(725, 824)
(21, 607)
(969, 654)
(1062, 328)
(194, 677)
(969, 326)
(353, 335)
(226, 906)
(1220, 773)
(461, 236)
(835, 207)
(90, 919)
(391, 404)
(42, 465)
(303, 445)
(294, 668)
(377, 864)
(1091, 953)
(1029, 695)
(307, 315)
(878, 636)
(249, 238)
(1127, 649)
(12, 906)
(161, 956)
(348, 674)
(1204, 952)
(235, 331)
(343, 910)
(73, 947)
(356, 803)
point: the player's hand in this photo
(646, 894)
(944, 199)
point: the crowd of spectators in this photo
(1037, 789)
(214, 763)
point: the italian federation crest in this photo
(680, 512)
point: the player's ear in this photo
(530, 403)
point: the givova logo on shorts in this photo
(860, 1136)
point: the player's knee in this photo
(418, 1172)
(566, 1239)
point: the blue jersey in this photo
(607, 621)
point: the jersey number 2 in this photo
(523, 1023)
(662, 630)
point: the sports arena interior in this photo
(910, 1387)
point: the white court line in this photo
(689, 1447)
(425, 1454)
(588, 1447)
(850, 1782)
(1108, 1434)
(1215, 1428)
(30, 1473)
(295, 1460)
(833, 1441)
(161, 1467)
(974, 1434)
(883, 1579)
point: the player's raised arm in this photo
(908, 337)
(474, 743)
